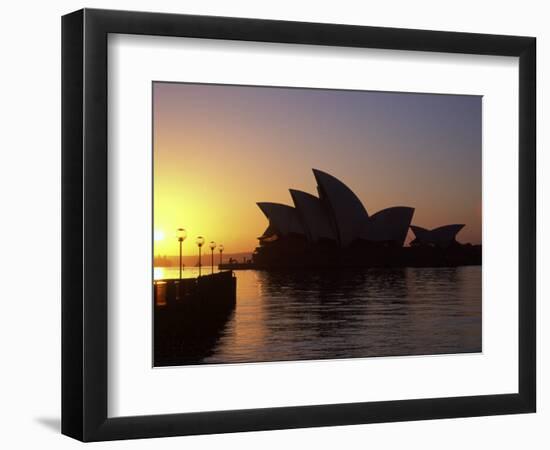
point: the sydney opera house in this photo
(335, 229)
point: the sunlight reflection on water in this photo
(285, 315)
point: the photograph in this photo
(296, 224)
(317, 220)
(268, 226)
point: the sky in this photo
(219, 149)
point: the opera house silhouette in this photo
(335, 229)
(442, 236)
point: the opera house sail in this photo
(283, 219)
(335, 229)
(313, 215)
(442, 236)
(347, 213)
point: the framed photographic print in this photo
(273, 224)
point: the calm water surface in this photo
(344, 314)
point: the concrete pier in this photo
(189, 315)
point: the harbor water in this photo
(333, 314)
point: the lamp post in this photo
(212, 246)
(220, 248)
(181, 235)
(200, 242)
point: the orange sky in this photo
(220, 149)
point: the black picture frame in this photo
(84, 224)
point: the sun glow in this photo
(158, 235)
(158, 273)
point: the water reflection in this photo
(296, 315)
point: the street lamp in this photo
(200, 242)
(212, 246)
(181, 235)
(221, 248)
